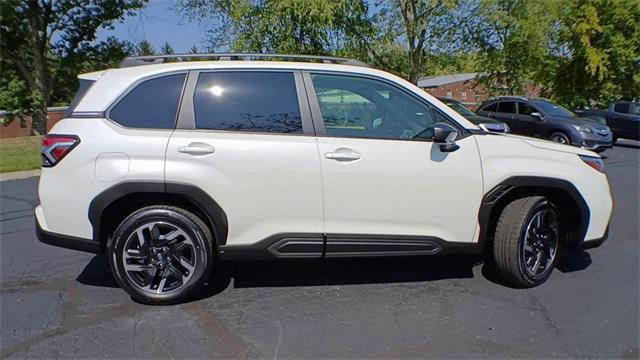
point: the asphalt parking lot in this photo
(58, 303)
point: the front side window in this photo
(153, 104)
(367, 108)
(508, 107)
(525, 109)
(621, 108)
(262, 102)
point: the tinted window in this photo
(491, 108)
(525, 109)
(621, 108)
(552, 109)
(507, 107)
(247, 101)
(366, 108)
(152, 104)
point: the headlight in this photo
(583, 129)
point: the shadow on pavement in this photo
(628, 145)
(314, 272)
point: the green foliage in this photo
(166, 49)
(511, 38)
(283, 26)
(39, 37)
(145, 48)
(598, 57)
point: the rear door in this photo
(623, 122)
(387, 188)
(246, 138)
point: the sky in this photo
(158, 23)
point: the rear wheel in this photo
(526, 241)
(560, 138)
(161, 254)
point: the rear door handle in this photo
(343, 154)
(197, 148)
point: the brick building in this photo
(16, 129)
(463, 88)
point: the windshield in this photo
(636, 108)
(460, 109)
(552, 109)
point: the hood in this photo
(583, 121)
(550, 145)
(477, 119)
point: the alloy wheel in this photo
(159, 257)
(540, 243)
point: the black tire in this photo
(560, 138)
(168, 252)
(514, 230)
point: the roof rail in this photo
(159, 59)
(517, 97)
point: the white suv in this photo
(172, 167)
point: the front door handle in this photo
(343, 154)
(197, 148)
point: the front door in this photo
(384, 181)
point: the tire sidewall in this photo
(139, 218)
(542, 277)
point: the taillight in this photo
(55, 147)
(594, 162)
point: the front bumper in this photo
(593, 141)
(67, 242)
(594, 243)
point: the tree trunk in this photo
(39, 121)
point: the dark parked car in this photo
(623, 117)
(485, 123)
(541, 118)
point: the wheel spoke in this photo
(140, 234)
(137, 267)
(163, 281)
(184, 263)
(536, 265)
(155, 232)
(176, 270)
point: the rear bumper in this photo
(67, 242)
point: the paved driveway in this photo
(62, 303)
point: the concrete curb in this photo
(19, 175)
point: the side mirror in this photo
(537, 115)
(445, 135)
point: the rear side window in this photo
(621, 108)
(507, 107)
(85, 85)
(152, 104)
(491, 108)
(264, 102)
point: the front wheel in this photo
(526, 241)
(560, 138)
(161, 254)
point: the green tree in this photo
(166, 49)
(512, 40)
(597, 57)
(279, 26)
(145, 48)
(193, 50)
(34, 31)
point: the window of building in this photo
(463, 96)
(247, 101)
(449, 94)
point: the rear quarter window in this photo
(152, 104)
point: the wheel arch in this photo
(573, 208)
(110, 207)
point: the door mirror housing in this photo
(445, 135)
(537, 115)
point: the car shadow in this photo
(317, 272)
(310, 272)
(627, 145)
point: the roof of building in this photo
(433, 81)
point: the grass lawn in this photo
(18, 154)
